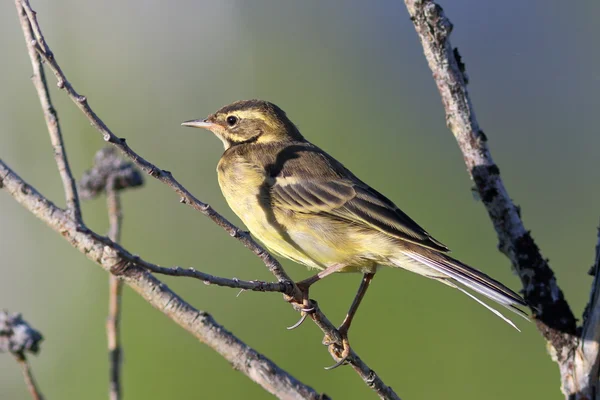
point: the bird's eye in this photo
(232, 120)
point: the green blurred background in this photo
(352, 75)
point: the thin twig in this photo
(287, 285)
(115, 352)
(34, 390)
(110, 174)
(39, 82)
(199, 323)
(126, 259)
(553, 315)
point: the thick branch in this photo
(199, 323)
(553, 314)
(39, 82)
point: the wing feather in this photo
(344, 196)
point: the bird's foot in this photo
(301, 303)
(337, 351)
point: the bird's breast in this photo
(246, 188)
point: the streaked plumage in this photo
(306, 206)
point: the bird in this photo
(304, 205)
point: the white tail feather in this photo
(498, 313)
(439, 270)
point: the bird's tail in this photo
(452, 272)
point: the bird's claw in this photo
(334, 350)
(304, 306)
(337, 364)
(300, 321)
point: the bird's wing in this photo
(319, 184)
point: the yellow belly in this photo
(311, 240)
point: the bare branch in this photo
(199, 323)
(554, 317)
(18, 337)
(32, 386)
(111, 174)
(39, 82)
(113, 333)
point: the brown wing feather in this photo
(327, 187)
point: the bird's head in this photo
(249, 121)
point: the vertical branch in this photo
(115, 218)
(111, 174)
(554, 317)
(35, 392)
(39, 82)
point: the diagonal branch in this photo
(333, 340)
(553, 315)
(199, 323)
(41, 86)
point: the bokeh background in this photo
(352, 75)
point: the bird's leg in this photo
(345, 326)
(304, 285)
(362, 289)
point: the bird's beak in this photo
(199, 123)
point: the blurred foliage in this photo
(352, 75)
